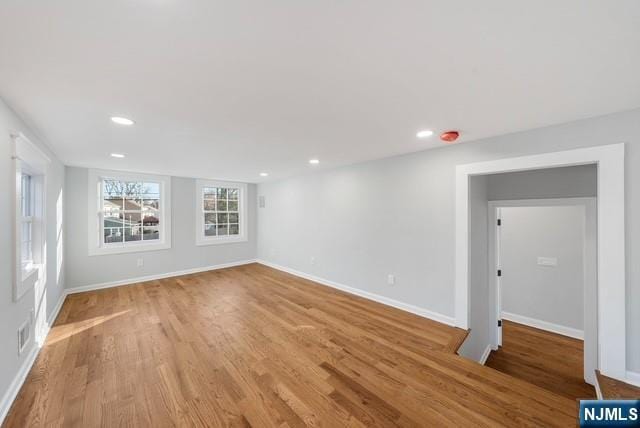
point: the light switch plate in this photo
(547, 261)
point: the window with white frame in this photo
(30, 166)
(27, 218)
(220, 212)
(132, 213)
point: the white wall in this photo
(85, 270)
(396, 215)
(13, 314)
(551, 294)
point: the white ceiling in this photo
(227, 89)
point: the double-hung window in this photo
(26, 221)
(220, 212)
(30, 166)
(130, 212)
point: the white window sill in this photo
(219, 241)
(133, 248)
(28, 272)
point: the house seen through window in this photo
(130, 211)
(221, 211)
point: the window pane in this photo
(132, 233)
(234, 229)
(222, 193)
(131, 211)
(131, 218)
(112, 194)
(222, 205)
(151, 219)
(210, 230)
(150, 233)
(232, 205)
(233, 218)
(210, 218)
(113, 222)
(133, 196)
(26, 244)
(233, 194)
(26, 231)
(223, 218)
(209, 205)
(150, 204)
(112, 234)
(25, 191)
(223, 230)
(151, 190)
(209, 192)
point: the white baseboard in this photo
(128, 281)
(544, 325)
(633, 378)
(367, 295)
(485, 355)
(596, 385)
(25, 368)
(18, 381)
(54, 314)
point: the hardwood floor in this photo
(252, 346)
(613, 389)
(548, 360)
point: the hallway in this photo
(545, 359)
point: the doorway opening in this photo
(544, 291)
(472, 238)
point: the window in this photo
(130, 211)
(27, 216)
(220, 211)
(30, 166)
(131, 214)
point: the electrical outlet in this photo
(312, 260)
(391, 279)
(140, 262)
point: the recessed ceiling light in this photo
(264, 174)
(426, 133)
(117, 155)
(122, 120)
(314, 161)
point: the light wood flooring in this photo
(252, 346)
(613, 389)
(549, 360)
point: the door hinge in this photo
(499, 323)
(499, 272)
(499, 222)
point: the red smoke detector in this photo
(449, 136)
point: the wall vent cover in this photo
(24, 334)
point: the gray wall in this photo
(552, 294)
(13, 314)
(479, 309)
(83, 270)
(568, 182)
(397, 215)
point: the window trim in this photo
(29, 159)
(243, 224)
(97, 247)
